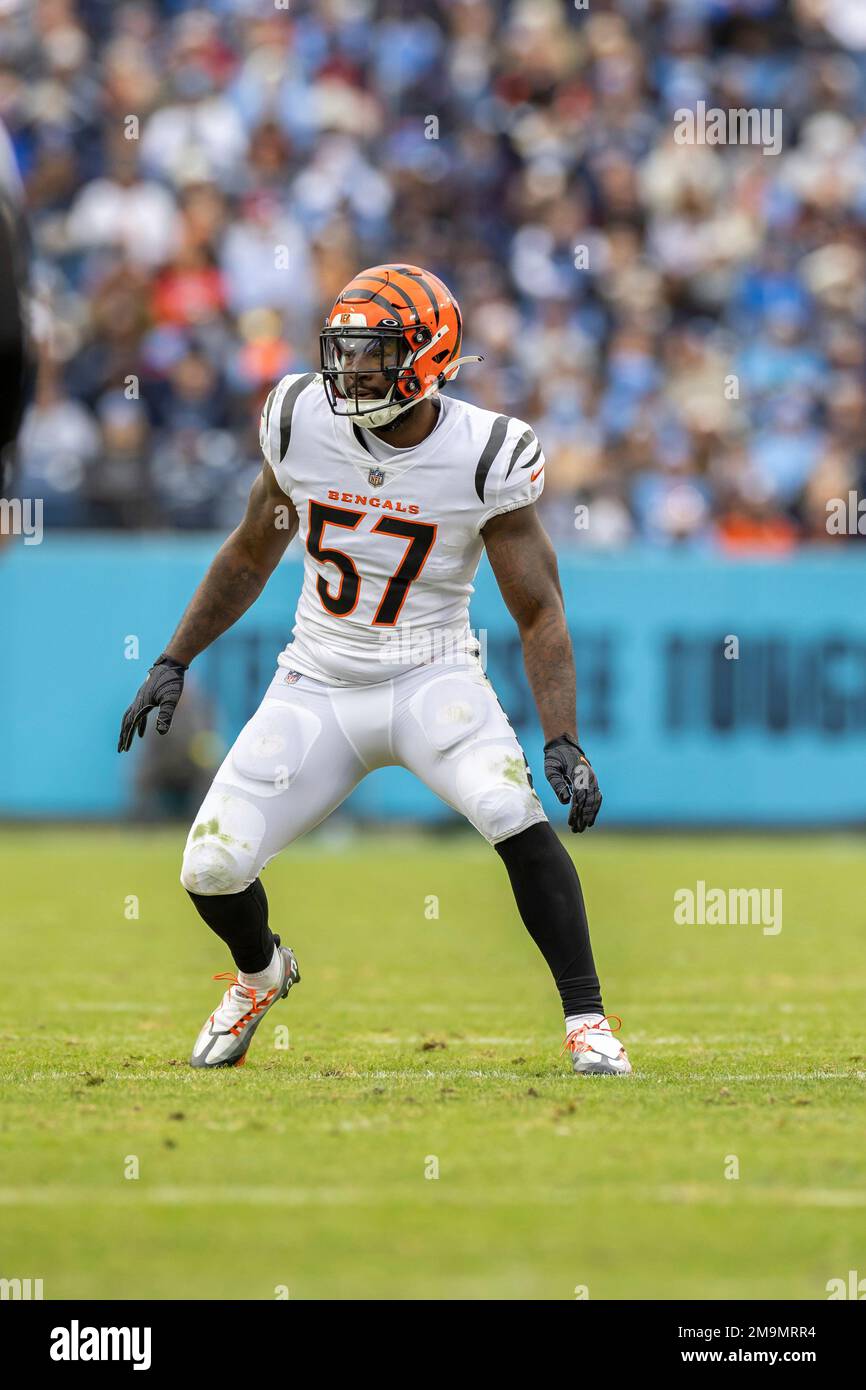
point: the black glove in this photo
(567, 769)
(161, 691)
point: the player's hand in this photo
(161, 691)
(568, 771)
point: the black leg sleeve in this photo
(549, 899)
(241, 920)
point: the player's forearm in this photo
(231, 585)
(549, 662)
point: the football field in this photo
(406, 1127)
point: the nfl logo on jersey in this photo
(376, 477)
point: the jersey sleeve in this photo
(275, 426)
(510, 471)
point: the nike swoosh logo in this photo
(533, 476)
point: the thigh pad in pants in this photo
(474, 761)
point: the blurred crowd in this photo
(682, 324)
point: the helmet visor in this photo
(360, 368)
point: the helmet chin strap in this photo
(375, 419)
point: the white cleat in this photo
(227, 1034)
(595, 1051)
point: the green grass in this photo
(412, 1037)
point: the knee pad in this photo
(271, 749)
(493, 784)
(221, 854)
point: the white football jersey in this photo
(392, 537)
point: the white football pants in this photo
(309, 744)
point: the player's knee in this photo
(493, 784)
(222, 852)
(210, 868)
(504, 810)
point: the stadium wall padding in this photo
(683, 728)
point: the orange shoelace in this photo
(576, 1040)
(257, 1005)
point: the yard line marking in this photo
(518, 1197)
(695, 1195)
(415, 1039)
(187, 1078)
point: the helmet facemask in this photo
(357, 363)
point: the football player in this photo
(395, 489)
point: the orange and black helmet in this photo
(396, 322)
